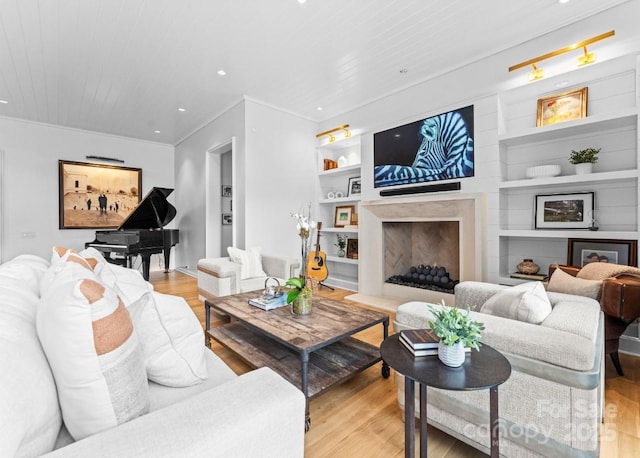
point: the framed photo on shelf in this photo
(354, 186)
(565, 106)
(227, 219)
(564, 211)
(343, 215)
(227, 190)
(584, 251)
(352, 248)
(96, 196)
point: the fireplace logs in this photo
(422, 276)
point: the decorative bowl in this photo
(540, 171)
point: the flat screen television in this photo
(435, 148)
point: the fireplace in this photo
(422, 254)
(399, 233)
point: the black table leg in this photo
(493, 422)
(207, 325)
(409, 418)
(423, 421)
(304, 360)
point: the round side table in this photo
(481, 370)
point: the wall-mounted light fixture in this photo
(108, 159)
(330, 132)
(586, 58)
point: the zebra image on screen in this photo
(446, 152)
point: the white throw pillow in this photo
(250, 262)
(171, 338)
(526, 302)
(562, 282)
(88, 337)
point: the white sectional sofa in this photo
(552, 404)
(216, 413)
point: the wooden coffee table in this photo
(314, 352)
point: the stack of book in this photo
(269, 302)
(420, 342)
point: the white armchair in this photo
(222, 277)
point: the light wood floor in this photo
(361, 417)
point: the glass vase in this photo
(302, 305)
(304, 257)
(341, 253)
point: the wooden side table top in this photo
(330, 321)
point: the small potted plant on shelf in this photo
(299, 296)
(584, 159)
(457, 331)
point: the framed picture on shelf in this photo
(343, 215)
(584, 251)
(227, 190)
(354, 186)
(352, 248)
(227, 219)
(564, 211)
(93, 196)
(565, 106)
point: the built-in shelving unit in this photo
(611, 124)
(343, 272)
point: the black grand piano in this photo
(141, 233)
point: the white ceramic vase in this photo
(584, 168)
(451, 355)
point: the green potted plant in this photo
(457, 331)
(584, 159)
(299, 296)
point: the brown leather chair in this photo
(620, 303)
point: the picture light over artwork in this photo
(102, 158)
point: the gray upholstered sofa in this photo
(552, 403)
(221, 414)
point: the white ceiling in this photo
(124, 67)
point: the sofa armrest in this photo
(280, 267)
(256, 414)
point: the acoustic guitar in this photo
(317, 265)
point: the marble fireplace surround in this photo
(466, 209)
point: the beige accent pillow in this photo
(88, 337)
(562, 282)
(527, 302)
(250, 262)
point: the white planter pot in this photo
(584, 168)
(451, 355)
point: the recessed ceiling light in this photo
(319, 108)
(221, 72)
(181, 109)
(156, 131)
(302, 1)
(4, 101)
(563, 1)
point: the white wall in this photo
(191, 171)
(280, 177)
(273, 176)
(30, 179)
